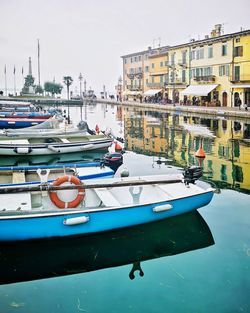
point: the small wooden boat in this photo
(69, 208)
(26, 261)
(35, 175)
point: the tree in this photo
(67, 80)
(39, 89)
(53, 88)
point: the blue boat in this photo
(19, 122)
(69, 208)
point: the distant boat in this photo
(76, 209)
(26, 261)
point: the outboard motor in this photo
(84, 126)
(113, 160)
(191, 174)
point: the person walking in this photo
(239, 102)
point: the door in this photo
(224, 99)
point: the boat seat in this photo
(18, 177)
(106, 197)
(64, 140)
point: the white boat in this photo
(54, 144)
(69, 208)
(52, 126)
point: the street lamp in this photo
(120, 88)
(80, 79)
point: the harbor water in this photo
(197, 262)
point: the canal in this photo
(198, 262)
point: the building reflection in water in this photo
(177, 137)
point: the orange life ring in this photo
(72, 204)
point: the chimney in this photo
(218, 28)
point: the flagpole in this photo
(38, 57)
(14, 72)
(5, 75)
(22, 75)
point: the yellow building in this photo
(158, 73)
(240, 74)
(214, 71)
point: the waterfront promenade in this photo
(210, 111)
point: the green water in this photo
(189, 264)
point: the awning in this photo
(131, 93)
(198, 90)
(240, 86)
(152, 92)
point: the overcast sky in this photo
(91, 36)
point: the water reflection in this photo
(177, 137)
(44, 259)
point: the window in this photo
(153, 65)
(237, 73)
(210, 52)
(238, 51)
(146, 80)
(200, 54)
(139, 58)
(183, 76)
(172, 58)
(184, 57)
(161, 64)
(161, 79)
(224, 70)
(237, 39)
(192, 55)
(135, 59)
(224, 49)
(153, 79)
(166, 63)
(125, 61)
(146, 68)
(131, 60)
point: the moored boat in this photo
(19, 122)
(76, 209)
(54, 144)
(35, 175)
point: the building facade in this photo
(214, 71)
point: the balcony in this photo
(208, 78)
(240, 78)
(182, 62)
(133, 88)
(159, 84)
(177, 81)
(131, 76)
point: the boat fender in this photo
(22, 150)
(75, 220)
(162, 208)
(71, 204)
